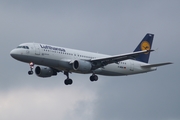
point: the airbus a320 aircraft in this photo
(54, 59)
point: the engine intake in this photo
(44, 71)
(82, 66)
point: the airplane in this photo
(52, 60)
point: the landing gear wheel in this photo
(93, 78)
(68, 82)
(30, 72)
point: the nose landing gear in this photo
(31, 64)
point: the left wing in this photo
(100, 62)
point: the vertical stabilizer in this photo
(145, 44)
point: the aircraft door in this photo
(131, 66)
(37, 49)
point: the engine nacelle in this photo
(42, 71)
(82, 66)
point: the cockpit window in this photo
(24, 47)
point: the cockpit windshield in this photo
(24, 47)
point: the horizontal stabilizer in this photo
(156, 65)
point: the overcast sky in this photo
(104, 26)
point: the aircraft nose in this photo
(13, 53)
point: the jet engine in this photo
(82, 66)
(42, 71)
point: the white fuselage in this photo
(60, 58)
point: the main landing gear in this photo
(67, 81)
(31, 64)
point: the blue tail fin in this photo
(145, 44)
